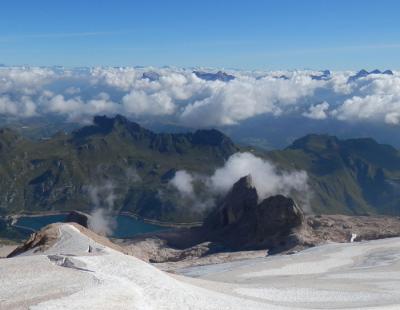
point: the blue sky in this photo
(250, 34)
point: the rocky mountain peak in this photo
(240, 221)
(108, 123)
(103, 125)
(388, 72)
(376, 71)
(103, 121)
(244, 182)
(325, 75)
(209, 76)
(211, 137)
(363, 73)
(151, 76)
(239, 200)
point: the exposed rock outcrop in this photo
(276, 224)
(241, 199)
(48, 236)
(38, 241)
(278, 215)
(241, 222)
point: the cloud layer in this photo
(178, 95)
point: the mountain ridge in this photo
(362, 172)
(131, 167)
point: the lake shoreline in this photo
(13, 218)
(161, 223)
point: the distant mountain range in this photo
(129, 169)
(151, 76)
(209, 76)
(326, 74)
(363, 73)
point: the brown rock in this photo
(242, 198)
(278, 214)
(240, 222)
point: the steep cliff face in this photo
(241, 221)
(240, 200)
(278, 214)
(278, 224)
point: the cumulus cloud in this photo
(121, 78)
(23, 107)
(102, 196)
(246, 97)
(180, 96)
(317, 111)
(76, 109)
(183, 182)
(267, 179)
(25, 80)
(378, 100)
(141, 103)
(392, 118)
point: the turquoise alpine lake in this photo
(126, 226)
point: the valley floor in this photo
(78, 271)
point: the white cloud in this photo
(183, 182)
(378, 99)
(246, 97)
(266, 178)
(392, 118)
(122, 78)
(7, 106)
(102, 197)
(75, 108)
(377, 107)
(23, 107)
(24, 80)
(101, 222)
(317, 111)
(180, 96)
(140, 103)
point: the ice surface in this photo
(334, 276)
